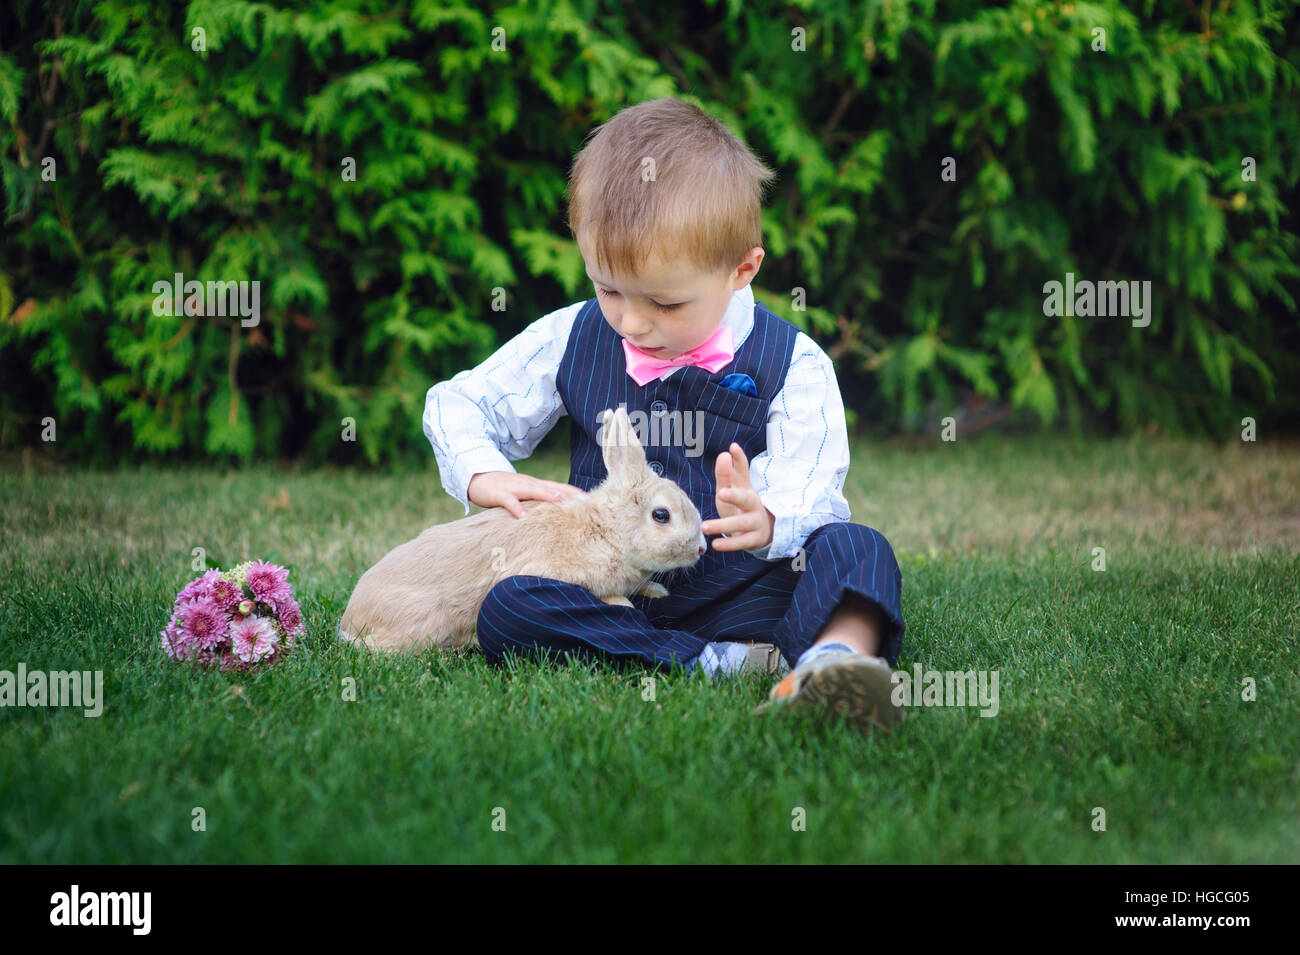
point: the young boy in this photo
(665, 205)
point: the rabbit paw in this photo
(617, 599)
(653, 590)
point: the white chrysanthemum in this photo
(252, 638)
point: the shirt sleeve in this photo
(499, 411)
(800, 475)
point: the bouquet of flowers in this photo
(240, 618)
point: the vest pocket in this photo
(732, 405)
(728, 416)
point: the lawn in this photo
(1119, 689)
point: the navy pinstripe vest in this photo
(687, 419)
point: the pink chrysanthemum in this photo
(175, 641)
(198, 588)
(203, 622)
(226, 595)
(268, 582)
(290, 617)
(215, 623)
(253, 638)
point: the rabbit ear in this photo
(624, 459)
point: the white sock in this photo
(723, 657)
(817, 649)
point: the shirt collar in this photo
(740, 315)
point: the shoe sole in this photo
(859, 691)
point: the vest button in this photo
(657, 467)
(658, 408)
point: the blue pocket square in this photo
(741, 383)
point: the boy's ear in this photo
(622, 450)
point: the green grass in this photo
(1119, 689)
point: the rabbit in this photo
(428, 591)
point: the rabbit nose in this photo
(701, 550)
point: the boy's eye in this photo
(658, 306)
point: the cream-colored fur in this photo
(427, 592)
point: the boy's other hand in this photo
(507, 488)
(747, 523)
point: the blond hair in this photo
(698, 196)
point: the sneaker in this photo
(841, 682)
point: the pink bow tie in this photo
(713, 355)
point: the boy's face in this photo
(632, 306)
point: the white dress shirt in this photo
(498, 412)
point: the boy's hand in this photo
(741, 515)
(507, 488)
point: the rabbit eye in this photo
(660, 514)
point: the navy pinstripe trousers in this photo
(757, 600)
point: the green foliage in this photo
(225, 160)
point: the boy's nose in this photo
(634, 326)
